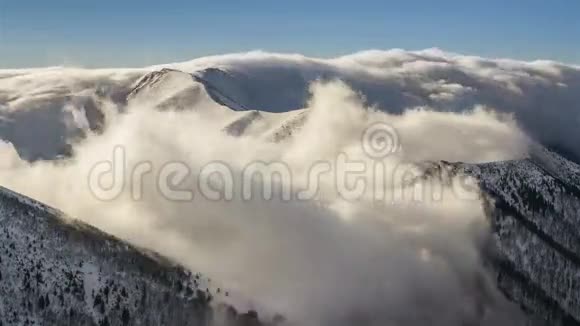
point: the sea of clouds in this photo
(327, 259)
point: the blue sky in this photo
(138, 33)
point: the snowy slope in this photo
(536, 236)
(43, 110)
(169, 89)
(58, 271)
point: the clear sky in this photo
(138, 33)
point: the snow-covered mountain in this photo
(533, 206)
(55, 104)
(56, 270)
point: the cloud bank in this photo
(328, 260)
(541, 95)
(325, 260)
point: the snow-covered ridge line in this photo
(393, 81)
(534, 218)
(536, 241)
(59, 272)
(59, 217)
(397, 80)
(25, 200)
(151, 79)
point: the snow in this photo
(54, 271)
(533, 203)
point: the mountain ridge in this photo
(536, 245)
(531, 203)
(55, 270)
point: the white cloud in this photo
(324, 260)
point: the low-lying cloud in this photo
(542, 96)
(323, 261)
